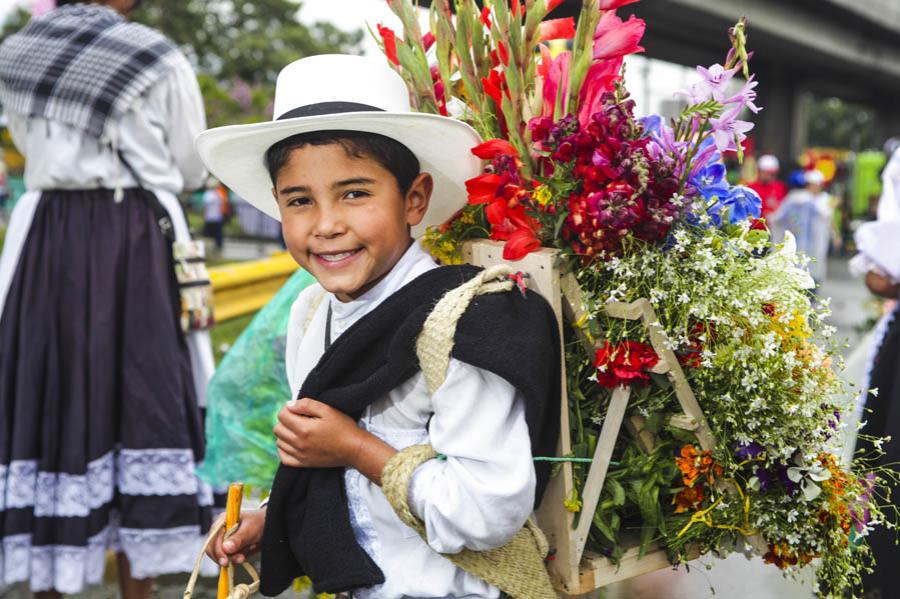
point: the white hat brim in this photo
(235, 154)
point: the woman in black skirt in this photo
(100, 428)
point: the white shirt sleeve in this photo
(186, 118)
(484, 492)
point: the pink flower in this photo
(614, 37)
(599, 79)
(557, 29)
(42, 7)
(555, 74)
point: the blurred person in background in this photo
(100, 428)
(807, 212)
(769, 187)
(878, 405)
(215, 205)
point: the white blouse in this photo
(478, 498)
(156, 136)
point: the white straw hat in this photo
(339, 91)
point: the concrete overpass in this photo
(844, 48)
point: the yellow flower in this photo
(573, 502)
(542, 195)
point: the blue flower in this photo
(740, 203)
(710, 181)
(651, 124)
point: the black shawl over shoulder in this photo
(307, 528)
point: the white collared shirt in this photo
(478, 498)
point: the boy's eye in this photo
(296, 202)
(356, 194)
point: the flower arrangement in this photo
(641, 208)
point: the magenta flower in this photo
(554, 73)
(614, 37)
(41, 7)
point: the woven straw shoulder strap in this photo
(435, 342)
(516, 568)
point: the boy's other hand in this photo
(243, 543)
(311, 434)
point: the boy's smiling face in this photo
(345, 218)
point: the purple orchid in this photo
(728, 130)
(713, 84)
(746, 97)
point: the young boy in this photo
(354, 176)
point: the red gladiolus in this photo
(557, 29)
(614, 4)
(521, 243)
(552, 4)
(493, 148)
(390, 43)
(614, 37)
(486, 17)
(624, 363)
(483, 188)
(428, 40)
(516, 7)
(503, 53)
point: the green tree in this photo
(237, 47)
(247, 40)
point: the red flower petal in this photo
(552, 4)
(483, 188)
(428, 40)
(486, 17)
(521, 243)
(614, 4)
(557, 29)
(390, 43)
(503, 53)
(493, 148)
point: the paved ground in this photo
(732, 578)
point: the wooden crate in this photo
(575, 571)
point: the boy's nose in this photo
(330, 223)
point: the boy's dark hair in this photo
(389, 153)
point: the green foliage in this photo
(243, 39)
(237, 47)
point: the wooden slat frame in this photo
(575, 571)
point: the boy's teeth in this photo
(335, 257)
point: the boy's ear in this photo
(417, 198)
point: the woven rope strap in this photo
(241, 591)
(516, 568)
(435, 342)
